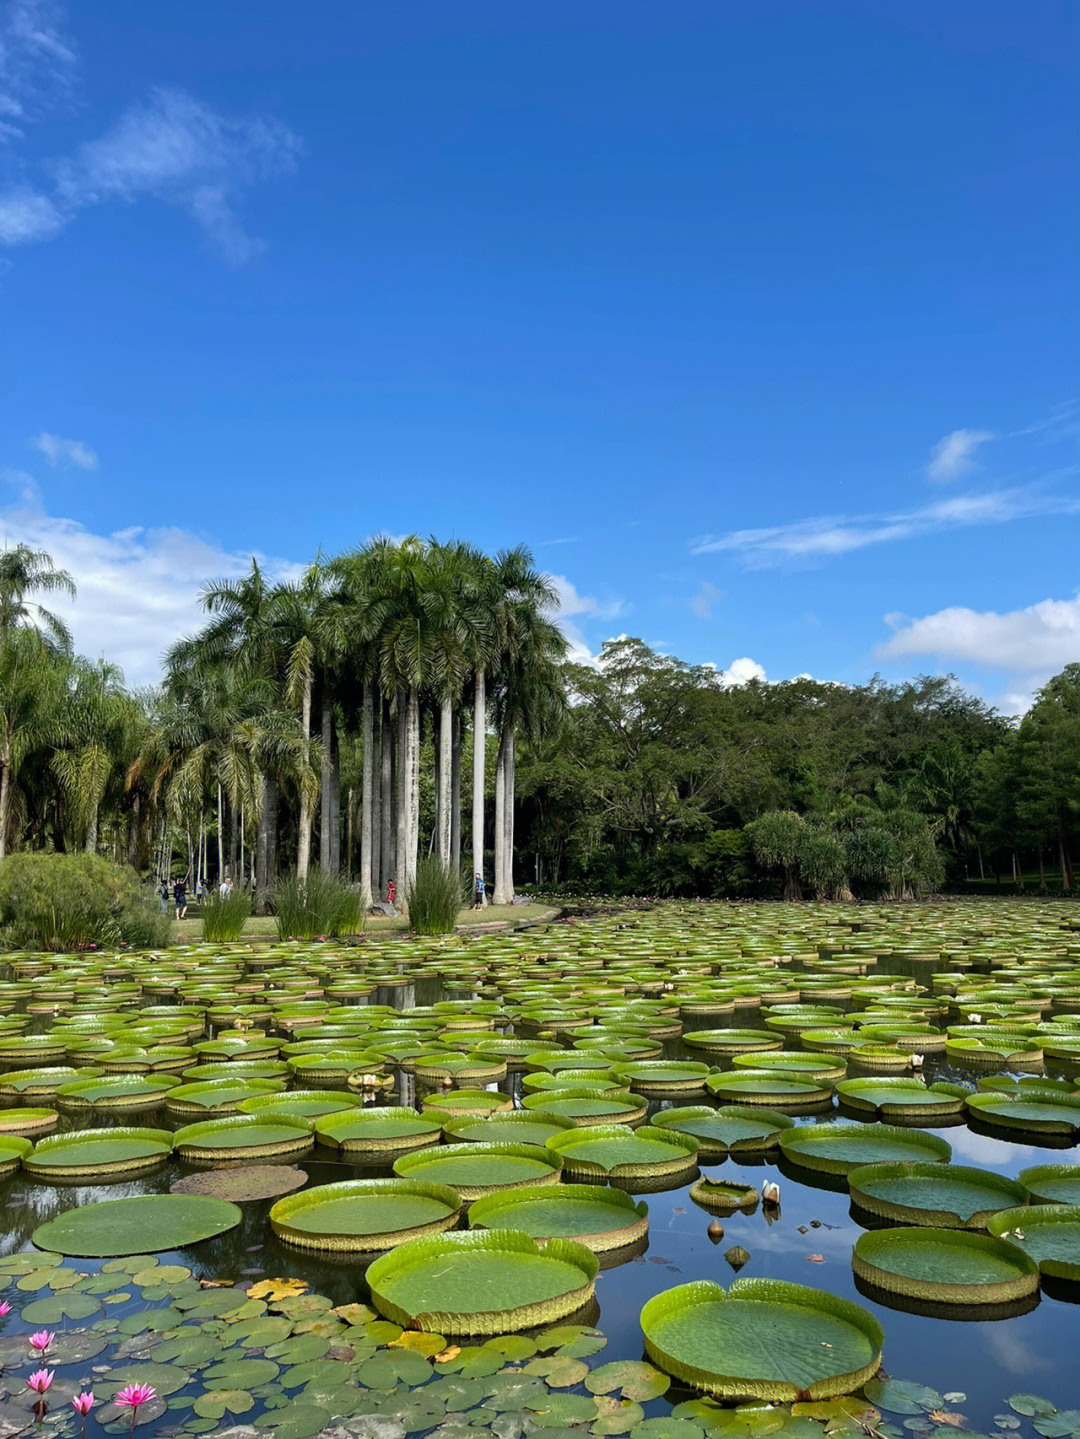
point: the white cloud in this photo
(173, 148)
(740, 672)
(74, 451)
(702, 603)
(38, 63)
(571, 603)
(138, 589)
(954, 455)
(1041, 638)
(829, 535)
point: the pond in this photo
(247, 1334)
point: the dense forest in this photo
(333, 721)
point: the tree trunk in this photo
(271, 832)
(303, 843)
(1042, 873)
(499, 896)
(367, 885)
(335, 807)
(509, 785)
(133, 832)
(387, 827)
(446, 759)
(5, 799)
(401, 797)
(1063, 860)
(455, 793)
(325, 783)
(479, 777)
(220, 838)
(412, 731)
(261, 835)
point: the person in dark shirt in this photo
(180, 896)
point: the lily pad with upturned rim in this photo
(1033, 1114)
(14, 1150)
(28, 1123)
(945, 1266)
(723, 1196)
(613, 1150)
(762, 1338)
(97, 1155)
(389, 1130)
(1052, 1183)
(902, 1097)
(482, 1282)
(728, 1128)
(115, 1091)
(658, 1077)
(786, 1092)
(1047, 1233)
(583, 1107)
(364, 1214)
(473, 1170)
(841, 1146)
(946, 1196)
(139, 1225)
(244, 1136)
(595, 1215)
(519, 1126)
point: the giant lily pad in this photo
(595, 1215)
(475, 1169)
(29, 1123)
(364, 1214)
(657, 1078)
(302, 1103)
(243, 1183)
(588, 1106)
(1034, 1113)
(391, 1130)
(244, 1136)
(39, 1083)
(96, 1155)
(840, 1146)
(14, 1150)
(1052, 1183)
(732, 1041)
(136, 1226)
(947, 1196)
(1048, 1233)
(945, 1266)
(483, 1282)
(217, 1097)
(458, 1102)
(613, 1150)
(902, 1098)
(115, 1092)
(729, 1128)
(516, 1127)
(763, 1338)
(789, 1093)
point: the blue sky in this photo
(758, 322)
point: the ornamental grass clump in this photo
(224, 915)
(435, 897)
(319, 907)
(68, 902)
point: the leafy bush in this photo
(64, 902)
(224, 916)
(435, 897)
(321, 905)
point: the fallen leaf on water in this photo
(275, 1289)
(947, 1416)
(448, 1354)
(816, 1258)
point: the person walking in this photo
(180, 896)
(478, 891)
(391, 894)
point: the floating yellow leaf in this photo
(275, 1290)
(448, 1354)
(427, 1344)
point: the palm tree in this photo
(99, 718)
(31, 700)
(23, 572)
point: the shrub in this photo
(224, 916)
(63, 902)
(435, 897)
(322, 904)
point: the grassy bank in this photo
(189, 930)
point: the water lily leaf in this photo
(560, 1371)
(616, 1416)
(1030, 1405)
(298, 1421)
(376, 1426)
(166, 1379)
(666, 1428)
(566, 1409)
(299, 1349)
(59, 1307)
(1057, 1425)
(274, 1290)
(190, 1347)
(511, 1346)
(327, 1372)
(634, 1379)
(390, 1368)
(258, 1333)
(516, 1390)
(427, 1344)
(902, 1396)
(217, 1402)
(240, 1373)
(159, 1274)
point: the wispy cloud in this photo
(573, 606)
(823, 536)
(702, 603)
(138, 588)
(73, 451)
(955, 454)
(38, 64)
(1062, 421)
(173, 148)
(1040, 638)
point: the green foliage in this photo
(224, 916)
(321, 906)
(64, 902)
(436, 897)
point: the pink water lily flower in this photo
(42, 1340)
(133, 1396)
(40, 1380)
(83, 1403)
(5, 1308)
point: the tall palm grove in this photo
(297, 707)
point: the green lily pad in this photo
(389, 1130)
(485, 1281)
(948, 1196)
(762, 1337)
(632, 1378)
(614, 1150)
(476, 1169)
(1052, 1183)
(364, 1214)
(1049, 1233)
(95, 1155)
(728, 1128)
(597, 1216)
(840, 1146)
(126, 1226)
(944, 1266)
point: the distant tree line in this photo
(358, 716)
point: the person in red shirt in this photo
(391, 892)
